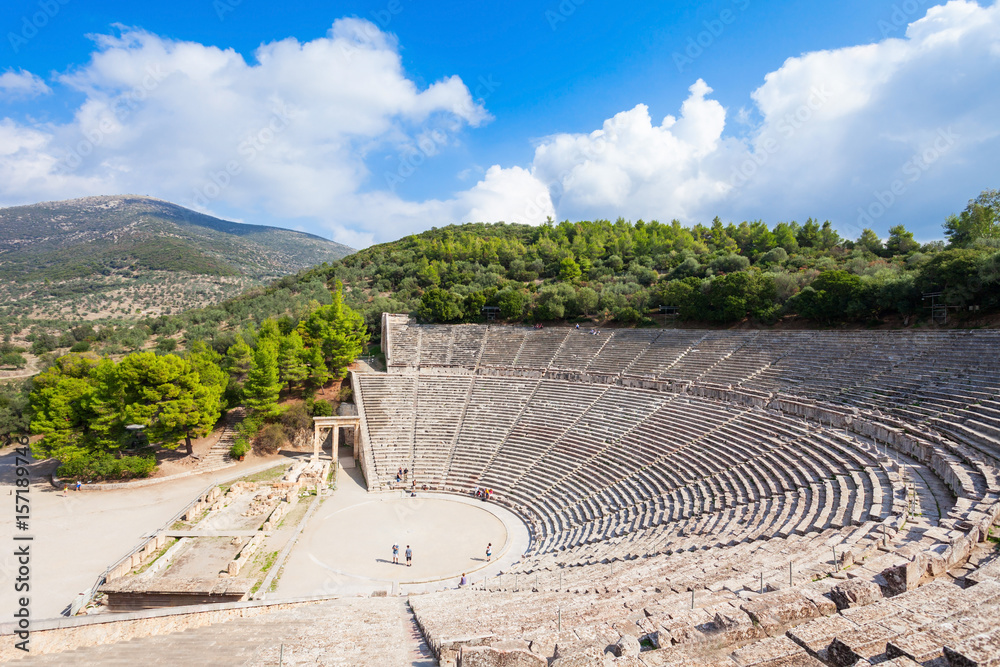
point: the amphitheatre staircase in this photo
(218, 455)
(729, 498)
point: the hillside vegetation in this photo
(102, 258)
(719, 274)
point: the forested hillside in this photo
(718, 274)
(107, 258)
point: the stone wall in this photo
(66, 634)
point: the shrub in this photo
(346, 394)
(270, 439)
(104, 466)
(322, 408)
(295, 419)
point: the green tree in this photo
(833, 295)
(512, 303)
(569, 270)
(586, 300)
(261, 389)
(292, 367)
(979, 220)
(900, 241)
(338, 330)
(166, 394)
(318, 374)
(440, 305)
(870, 241)
(61, 407)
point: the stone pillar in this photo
(336, 441)
(315, 441)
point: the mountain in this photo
(139, 253)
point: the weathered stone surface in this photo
(902, 578)
(816, 635)
(918, 647)
(487, 656)
(862, 644)
(987, 572)
(626, 646)
(777, 611)
(587, 658)
(855, 593)
(982, 650)
(823, 603)
(766, 651)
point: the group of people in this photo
(539, 326)
(402, 474)
(593, 332)
(485, 494)
(395, 554)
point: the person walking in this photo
(409, 555)
(489, 552)
(395, 553)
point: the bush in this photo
(270, 439)
(296, 417)
(245, 433)
(322, 408)
(346, 394)
(103, 466)
(82, 346)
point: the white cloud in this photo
(839, 129)
(22, 84)
(903, 130)
(287, 135)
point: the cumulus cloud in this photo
(287, 134)
(897, 131)
(901, 130)
(22, 84)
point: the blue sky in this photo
(364, 121)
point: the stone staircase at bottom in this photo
(218, 456)
(373, 632)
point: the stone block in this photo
(626, 646)
(487, 656)
(766, 651)
(918, 647)
(862, 644)
(959, 552)
(982, 650)
(855, 593)
(988, 572)
(902, 578)
(777, 611)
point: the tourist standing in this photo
(395, 553)
(409, 555)
(489, 552)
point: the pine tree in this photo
(292, 367)
(318, 372)
(262, 386)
